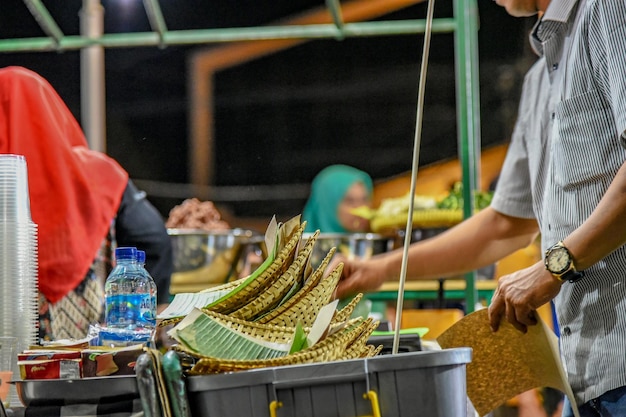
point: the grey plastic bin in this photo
(429, 384)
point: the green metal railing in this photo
(207, 36)
(464, 25)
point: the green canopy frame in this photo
(464, 24)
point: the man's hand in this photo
(358, 275)
(520, 294)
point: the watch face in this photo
(558, 260)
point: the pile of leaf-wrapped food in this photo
(283, 313)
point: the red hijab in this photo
(74, 192)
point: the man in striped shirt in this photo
(578, 182)
(562, 177)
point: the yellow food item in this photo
(425, 219)
(393, 213)
(390, 207)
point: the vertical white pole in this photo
(93, 99)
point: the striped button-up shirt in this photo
(567, 148)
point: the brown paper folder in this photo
(507, 362)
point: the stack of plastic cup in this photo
(18, 258)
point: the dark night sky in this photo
(282, 118)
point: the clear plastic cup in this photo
(8, 361)
(14, 197)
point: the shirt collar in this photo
(559, 10)
(556, 15)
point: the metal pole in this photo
(45, 20)
(93, 100)
(466, 62)
(227, 35)
(335, 11)
(155, 16)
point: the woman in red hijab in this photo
(81, 200)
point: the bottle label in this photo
(130, 311)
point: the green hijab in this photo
(327, 190)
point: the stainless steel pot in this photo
(351, 245)
(206, 258)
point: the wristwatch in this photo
(560, 263)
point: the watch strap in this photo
(571, 275)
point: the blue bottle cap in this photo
(141, 256)
(125, 253)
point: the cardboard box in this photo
(51, 369)
(50, 364)
(103, 361)
(40, 354)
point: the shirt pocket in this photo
(585, 148)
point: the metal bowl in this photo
(350, 245)
(206, 258)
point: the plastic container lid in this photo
(125, 253)
(141, 256)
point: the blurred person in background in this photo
(335, 192)
(83, 204)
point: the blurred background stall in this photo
(278, 117)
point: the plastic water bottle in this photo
(141, 262)
(130, 316)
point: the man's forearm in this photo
(479, 241)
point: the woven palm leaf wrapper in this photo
(223, 338)
(270, 333)
(276, 237)
(200, 335)
(305, 310)
(244, 293)
(284, 315)
(345, 313)
(200, 327)
(332, 348)
(312, 281)
(359, 347)
(278, 289)
(281, 334)
(277, 334)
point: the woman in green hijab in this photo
(335, 191)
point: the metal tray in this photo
(76, 391)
